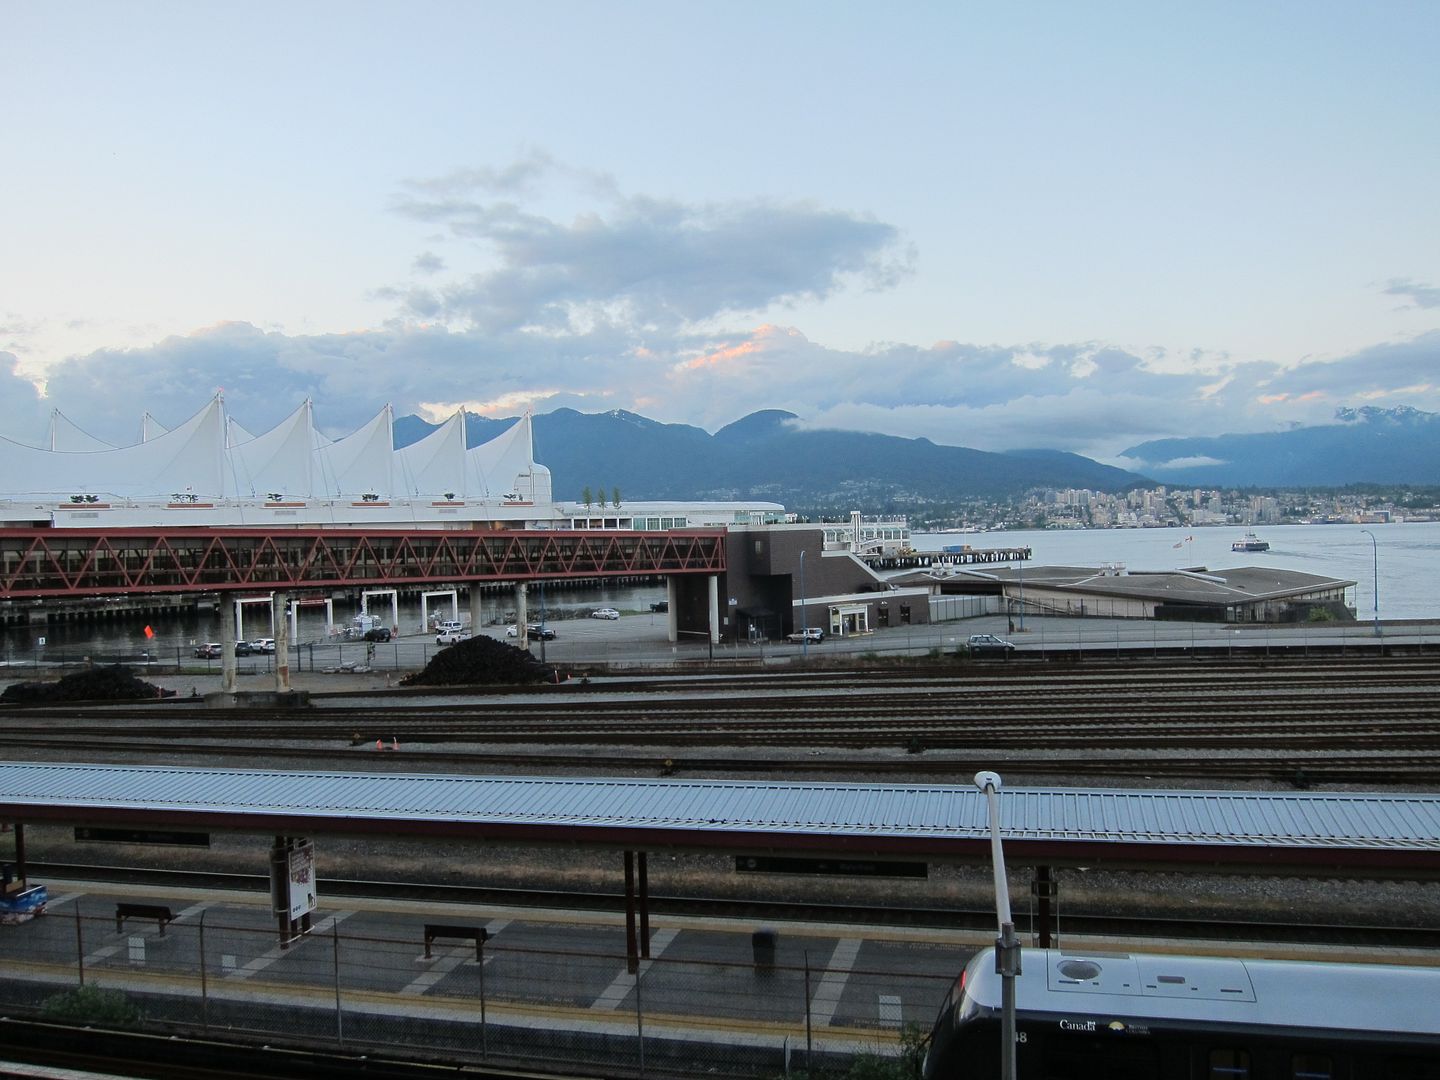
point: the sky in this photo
(1068, 225)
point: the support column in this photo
(474, 600)
(644, 899)
(522, 616)
(226, 608)
(632, 950)
(672, 610)
(21, 874)
(281, 627)
(713, 587)
(1046, 890)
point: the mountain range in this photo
(1363, 446)
(767, 456)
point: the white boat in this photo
(1251, 542)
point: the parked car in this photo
(989, 645)
(378, 633)
(209, 651)
(242, 648)
(512, 631)
(264, 645)
(808, 633)
(539, 633)
(448, 625)
(660, 605)
(605, 613)
(446, 637)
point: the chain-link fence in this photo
(535, 995)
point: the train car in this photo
(1123, 1016)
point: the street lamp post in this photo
(1007, 945)
(1375, 567)
(804, 618)
(1022, 593)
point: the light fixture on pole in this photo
(804, 619)
(1007, 945)
(1021, 564)
(1375, 566)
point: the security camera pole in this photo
(1007, 945)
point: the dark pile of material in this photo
(481, 660)
(114, 683)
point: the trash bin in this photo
(762, 943)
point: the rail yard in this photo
(1277, 723)
(1336, 721)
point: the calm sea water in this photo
(1404, 559)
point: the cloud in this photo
(540, 286)
(1198, 461)
(636, 262)
(21, 403)
(1418, 293)
(1085, 397)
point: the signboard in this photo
(300, 864)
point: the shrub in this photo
(92, 1005)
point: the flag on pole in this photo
(149, 633)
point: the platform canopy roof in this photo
(1306, 832)
(211, 456)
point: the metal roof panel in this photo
(41, 791)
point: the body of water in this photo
(1404, 559)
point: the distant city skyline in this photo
(1071, 226)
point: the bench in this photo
(158, 912)
(478, 934)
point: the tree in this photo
(587, 498)
(615, 498)
(600, 496)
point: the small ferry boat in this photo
(1251, 542)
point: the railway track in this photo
(1294, 721)
(1299, 770)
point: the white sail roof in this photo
(150, 428)
(503, 465)
(277, 463)
(185, 461)
(435, 465)
(360, 463)
(234, 433)
(66, 435)
(211, 456)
